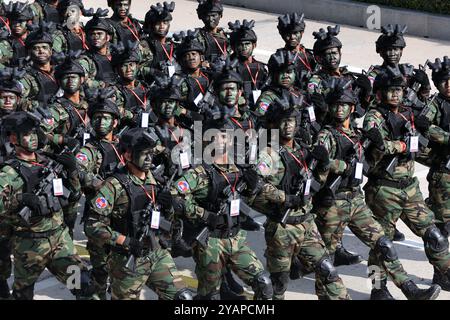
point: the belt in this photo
(224, 234)
(402, 184)
(293, 220)
(346, 195)
(35, 235)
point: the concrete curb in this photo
(355, 14)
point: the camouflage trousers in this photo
(213, 260)
(157, 270)
(99, 259)
(302, 240)
(354, 213)
(389, 204)
(32, 255)
(439, 198)
(5, 251)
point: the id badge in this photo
(171, 70)
(184, 160)
(198, 99)
(256, 94)
(307, 187)
(414, 144)
(57, 187)
(253, 149)
(144, 120)
(155, 219)
(359, 171)
(86, 137)
(312, 114)
(234, 207)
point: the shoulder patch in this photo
(183, 186)
(101, 202)
(81, 157)
(263, 106)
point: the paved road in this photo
(358, 52)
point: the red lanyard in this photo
(200, 86)
(233, 188)
(175, 137)
(251, 75)
(118, 155)
(412, 119)
(240, 126)
(303, 164)
(353, 142)
(169, 56)
(143, 103)
(85, 120)
(6, 22)
(135, 33)
(305, 62)
(83, 39)
(152, 197)
(224, 50)
(48, 75)
(21, 42)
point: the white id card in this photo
(234, 207)
(198, 99)
(312, 114)
(155, 219)
(307, 187)
(86, 137)
(184, 160)
(144, 120)
(253, 149)
(57, 187)
(171, 70)
(256, 94)
(359, 171)
(414, 144)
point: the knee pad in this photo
(434, 240)
(326, 270)
(280, 282)
(386, 249)
(183, 294)
(26, 293)
(444, 228)
(262, 286)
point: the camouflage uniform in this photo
(317, 82)
(44, 12)
(65, 40)
(130, 30)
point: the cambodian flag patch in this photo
(81, 157)
(183, 186)
(312, 86)
(263, 168)
(264, 106)
(101, 203)
(49, 121)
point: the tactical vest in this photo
(50, 13)
(105, 71)
(344, 151)
(19, 51)
(216, 197)
(158, 53)
(109, 158)
(75, 121)
(194, 89)
(137, 202)
(444, 124)
(131, 102)
(212, 51)
(258, 71)
(123, 33)
(292, 177)
(47, 87)
(74, 43)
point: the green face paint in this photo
(341, 112)
(393, 96)
(286, 78)
(128, 71)
(167, 108)
(103, 123)
(29, 141)
(143, 159)
(229, 94)
(71, 83)
(244, 49)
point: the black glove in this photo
(320, 153)
(69, 162)
(293, 201)
(194, 116)
(375, 136)
(422, 123)
(364, 83)
(319, 102)
(72, 143)
(421, 77)
(252, 178)
(166, 199)
(33, 202)
(325, 198)
(134, 246)
(210, 219)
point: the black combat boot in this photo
(299, 269)
(230, 289)
(398, 236)
(441, 279)
(343, 257)
(249, 224)
(4, 290)
(382, 293)
(413, 292)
